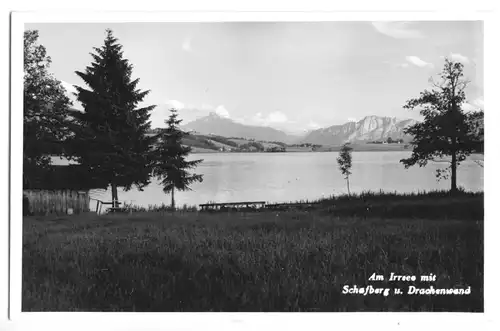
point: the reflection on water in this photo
(276, 177)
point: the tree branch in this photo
(479, 163)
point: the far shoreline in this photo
(324, 149)
(473, 155)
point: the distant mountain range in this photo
(217, 125)
(370, 128)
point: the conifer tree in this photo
(110, 134)
(170, 159)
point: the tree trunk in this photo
(453, 172)
(454, 144)
(114, 195)
(172, 206)
(348, 189)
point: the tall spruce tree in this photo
(170, 162)
(110, 134)
(447, 130)
(46, 111)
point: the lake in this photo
(283, 177)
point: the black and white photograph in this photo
(252, 166)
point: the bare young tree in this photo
(345, 163)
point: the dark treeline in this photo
(109, 139)
(388, 141)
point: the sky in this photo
(293, 76)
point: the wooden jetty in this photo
(233, 206)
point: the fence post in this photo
(58, 202)
(86, 204)
(67, 200)
(76, 207)
(45, 203)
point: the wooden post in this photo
(40, 203)
(34, 202)
(66, 206)
(80, 205)
(58, 195)
(45, 203)
(76, 203)
(64, 202)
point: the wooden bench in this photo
(100, 203)
(233, 206)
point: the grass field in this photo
(287, 261)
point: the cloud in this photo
(277, 117)
(468, 107)
(162, 112)
(175, 104)
(415, 60)
(313, 125)
(351, 119)
(222, 111)
(398, 30)
(479, 102)
(474, 105)
(186, 44)
(188, 113)
(259, 118)
(459, 58)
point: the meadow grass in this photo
(266, 261)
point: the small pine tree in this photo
(170, 165)
(110, 134)
(345, 163)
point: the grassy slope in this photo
(196, 150)
(287, 261)
(241, 141)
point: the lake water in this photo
(283, 177)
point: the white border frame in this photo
(230, 321)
